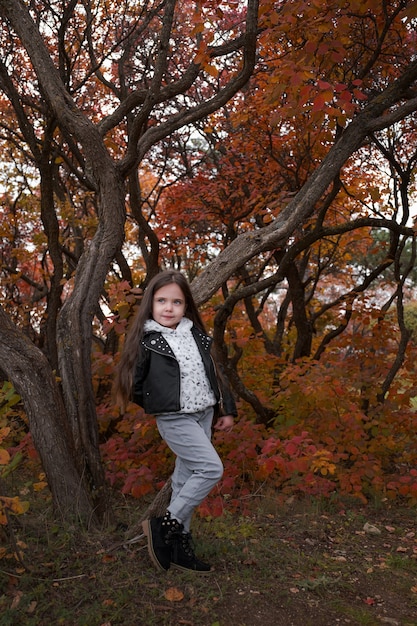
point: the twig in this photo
(126, 542)
(134, 539)
(59, 580)
(3, 571)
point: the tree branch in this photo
(302, 206)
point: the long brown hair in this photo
(122, 386)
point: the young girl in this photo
(167, 369)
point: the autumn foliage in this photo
(312, 328)
(330, 437)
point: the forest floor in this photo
(298, 565)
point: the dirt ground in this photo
(298, 566)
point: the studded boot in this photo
(160, 532)
(183, 556)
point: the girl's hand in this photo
(225, 423)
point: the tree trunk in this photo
(304, 328)
(31, 375)
(52, 231)
(74, 337)
(74, 323)
(105, 177)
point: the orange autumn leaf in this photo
(108, 558)
(4, 457)
(40, 485)
(173, 594)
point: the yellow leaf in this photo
(39, 486)
(15, 505)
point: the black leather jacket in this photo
(156, 384)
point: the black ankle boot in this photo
(160, 532)
(183, 556)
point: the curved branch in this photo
(249, 244)
(203, 109)
(138, 97)
(71, 120)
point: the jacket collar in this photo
(154, 340)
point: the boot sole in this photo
(146, 526)
(188, 569)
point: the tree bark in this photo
(31, 375)
(74, 336)
(74, 324)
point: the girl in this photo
(166, 368)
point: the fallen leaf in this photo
(108, 558)
(370, 529)
(32, 606)
(40, 485)
(390, 620)
(16, 600)
(173, 594)
(13, 581)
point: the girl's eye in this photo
(177, 302)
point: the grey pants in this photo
(198, 467)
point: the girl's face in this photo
(168, 306)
